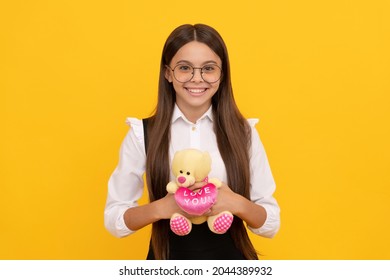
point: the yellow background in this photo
(315, 72)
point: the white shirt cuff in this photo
(271, 225)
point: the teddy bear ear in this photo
(177, 154)
(206, 159)
(175, 162)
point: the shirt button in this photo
(193, 128)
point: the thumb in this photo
(197, 186)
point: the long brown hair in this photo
(231, 129)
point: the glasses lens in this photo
(211, 73)
(184, 73)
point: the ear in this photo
(168, 74)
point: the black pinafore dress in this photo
(201, 244)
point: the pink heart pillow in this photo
(196, 203)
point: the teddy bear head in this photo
(190, 166)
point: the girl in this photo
(195, 109)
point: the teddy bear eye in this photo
(181, 171)
(188, 173)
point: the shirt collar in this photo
(178, 114)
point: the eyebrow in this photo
(204, 63)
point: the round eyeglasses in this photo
(210, 73)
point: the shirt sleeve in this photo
(263, 186)
(125, 186)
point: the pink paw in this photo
(223, 223)
(180, 225)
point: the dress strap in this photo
(145, 125)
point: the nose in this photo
(181, 179)
(197, 75)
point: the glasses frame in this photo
(193, 72)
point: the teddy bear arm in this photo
(215, 182)
(172, 187)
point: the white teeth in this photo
(196, 90)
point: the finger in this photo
(197, 186)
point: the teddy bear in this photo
(190, 166)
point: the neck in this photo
(193, 114)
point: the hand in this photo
(254, 215)
(197, 186)
(167, 206)
(227, 200)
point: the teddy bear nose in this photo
(181, 179)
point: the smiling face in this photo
(194, 96)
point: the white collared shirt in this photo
(126, 185)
